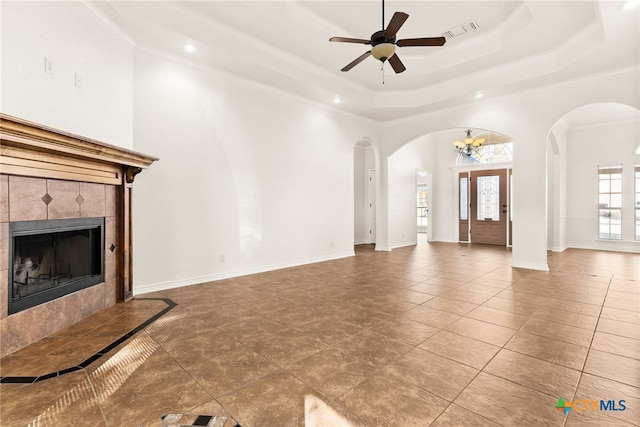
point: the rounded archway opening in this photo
(425, 187)
(593, 179)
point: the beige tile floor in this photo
(436, 334)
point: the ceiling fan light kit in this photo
(383, 51)
(384, 43)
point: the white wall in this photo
(587, 148)
(444, 208)
(75, 41)
(402, 194)
(249, 178)
(557, 188)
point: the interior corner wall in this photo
(87, 88)
(402, 196)
(249, 179)
(557, 189)
(444, 191)
(551, 195)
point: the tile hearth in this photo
(436, 334)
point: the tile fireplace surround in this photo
(46, 174)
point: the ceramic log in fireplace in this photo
(65, 229)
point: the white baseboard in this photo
(404, 245)
(362, 242)
(162, 286)
(600, 245)
(531, 266)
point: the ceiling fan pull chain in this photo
(382, 69)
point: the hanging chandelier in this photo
(469, 145)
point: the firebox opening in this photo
(53, 258)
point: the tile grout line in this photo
(589, 348)
(493, 357)
(479, 370)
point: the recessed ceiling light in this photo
(189, 47)
(337, 100)
(478, 95)
(630, 4)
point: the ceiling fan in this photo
(384, 43)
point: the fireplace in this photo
(65, 229)
(53, 258)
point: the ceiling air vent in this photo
(461, 29)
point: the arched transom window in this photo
(497, 149)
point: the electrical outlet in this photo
(48, 66)
(222, 258)
(78, 80)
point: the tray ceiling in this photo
(518, 46)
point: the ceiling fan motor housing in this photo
(379, 37)
(386, 45)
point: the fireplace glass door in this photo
(54, 258)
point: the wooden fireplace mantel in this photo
(32, 150)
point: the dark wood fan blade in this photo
(425, 41)
(349, 40)
(396, 64)
(394, 25)
(356, 61)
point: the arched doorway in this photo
(435, 155)
(593, 179)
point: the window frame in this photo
(636, 177)
(610, 176)
(422, 206)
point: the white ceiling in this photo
(519, 46)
